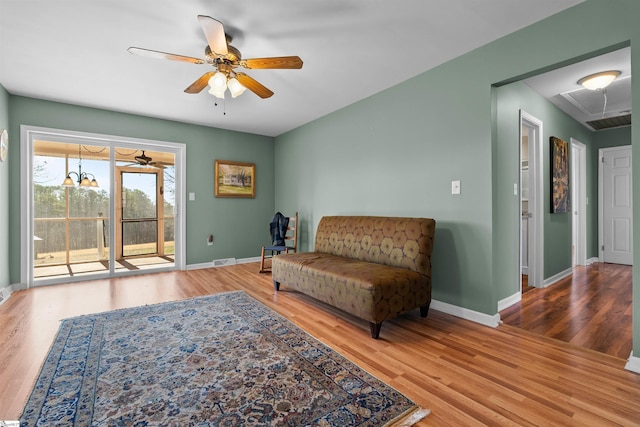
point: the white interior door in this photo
(616, 205)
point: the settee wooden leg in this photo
(276, 285)
(424, 310)
(375, 330)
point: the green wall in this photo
(396, 153)
(4, 192)
(240, 226)
(557, 227)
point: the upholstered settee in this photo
(375, 268)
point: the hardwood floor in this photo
(591, 308)
(466, 373)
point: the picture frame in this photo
(234, 179)
(560, 191)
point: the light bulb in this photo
(218, 81)
(217, 93)
(599, 80)
(235, 87)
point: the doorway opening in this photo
(144, 216)
(578, 203)
(531, 216)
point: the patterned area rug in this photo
(220, 360)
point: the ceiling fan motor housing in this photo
(232, 57)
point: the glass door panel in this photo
(70, 215)
(169, 195)
(139, 238)
(139, 195)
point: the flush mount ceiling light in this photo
(599, 80)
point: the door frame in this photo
(29, 134)
(118, 248)
(601, 152)
(536, 204)
(579, 201)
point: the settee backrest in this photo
(394, 241)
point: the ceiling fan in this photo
(144, 160)
(225, 58)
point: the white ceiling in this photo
(75, 51)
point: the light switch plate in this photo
(455, 187)
(192, 196)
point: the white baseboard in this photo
(553, 279)
(464, 313)
(509, 301)
(5, 293)
(199, 266)
(633, 364)
(222, 263)
(591, 260)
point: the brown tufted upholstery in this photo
(373, 267)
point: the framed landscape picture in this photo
(560, 195)
(234, 179)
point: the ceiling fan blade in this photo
(282, 62)
(253, 86)
(162, 55)
(201, 83)
(214, 32)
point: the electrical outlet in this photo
(455, 187)
(210, 240)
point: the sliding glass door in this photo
(98, 209)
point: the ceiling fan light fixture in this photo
(218, 85)
(217, 93)
(599, 80)
(218, 81)
(235, 87)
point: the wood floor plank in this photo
(591, 308)
(466, 373)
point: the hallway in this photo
(591, 308)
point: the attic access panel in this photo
(592, 102)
